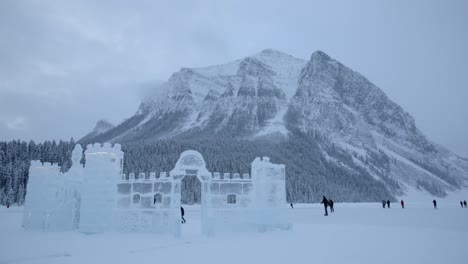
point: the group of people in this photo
(387, 203)
(402, 203)
(463, 204)
(328, 202)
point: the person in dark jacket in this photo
(461, 204)
(388, 203)
(331, 203)
(182, 212)
(292, 206)
(402, 204)
(464, 203)
(325, 204)
(383, 203)
(434, 202)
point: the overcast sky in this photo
(65, 64)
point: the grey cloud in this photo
(74, 62)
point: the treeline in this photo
(15, 159)
(312, 170)
(309, 174)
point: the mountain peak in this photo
(254, 67)
(319, 56)
(272, 52)
(319, 62)
(101, 127)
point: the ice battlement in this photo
(216, 176)
(106, 148)
(266, 170)
(265, 161)
(145, 177)
(164, 176)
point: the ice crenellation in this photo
(273, 92)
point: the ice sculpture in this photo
(99, 198)
(40, 201)
(270, 194)
(53, 199)
(98, 191)
(190, 163)
(144, 203)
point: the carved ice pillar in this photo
(176, 219)
(206, 210)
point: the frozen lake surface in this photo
(355, 233)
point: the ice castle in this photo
(99, 197)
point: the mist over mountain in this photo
(337, 132)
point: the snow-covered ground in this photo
(355, 233)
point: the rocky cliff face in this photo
(272, 93)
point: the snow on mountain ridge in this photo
(286, 67)
(271, 93)
(102, 126)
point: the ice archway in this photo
(191, 163)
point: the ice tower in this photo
(269, 185)
(99, 188)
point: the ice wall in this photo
(144, 203)
(230, 203)
(53, 198)
(98, 192)
(42, 197)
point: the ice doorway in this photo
(190, 191)
(191, 182)
(191, 204)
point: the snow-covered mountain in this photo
(270, 95)
(101, 127)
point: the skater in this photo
(461, 204)
(464, 203)
(388, 204)
(8, 205)
(292, 206)
(402, 204)
(434, 202)
(325, 204)
(383, 203)
(182, 212)
(331, 203)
